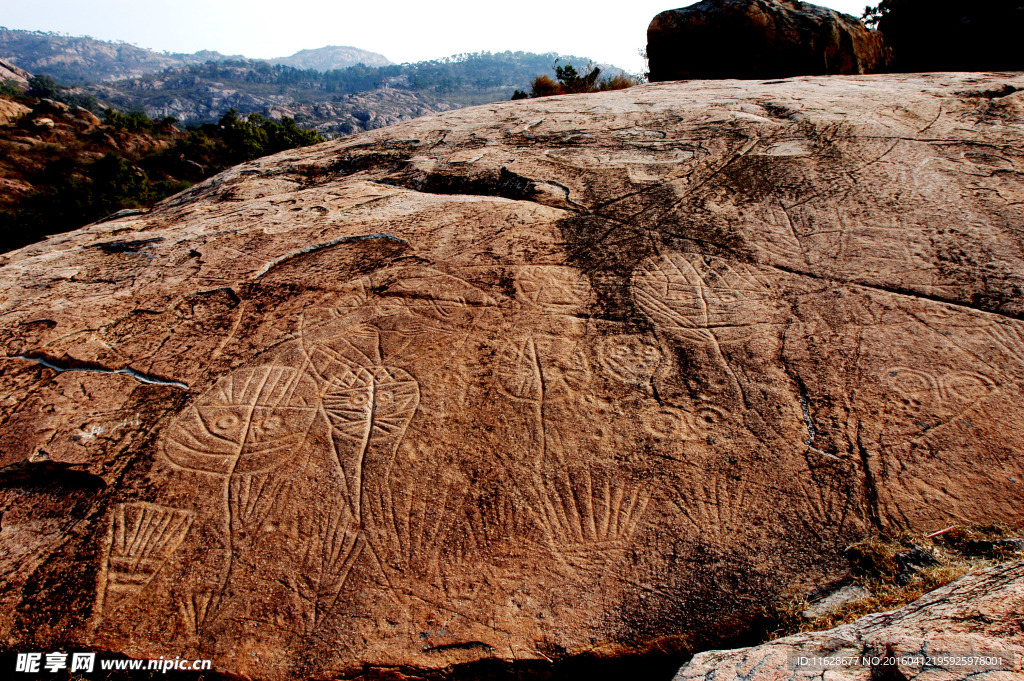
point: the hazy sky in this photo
(401, 30)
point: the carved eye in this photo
(358, 399)
(621, 352)
(272, 423)
(228, 422)
(385, 397)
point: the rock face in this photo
(759, 39)
(981, 614)
(947, 35)
(11, 111)
(523, 381)
(9, 72)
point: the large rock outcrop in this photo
(12, 74)
(760, 39)
(971, 629)
(584, 374)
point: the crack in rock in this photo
(60, 367)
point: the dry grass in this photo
(875, 566)
(619, 82)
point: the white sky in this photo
(401, 30)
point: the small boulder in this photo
(86, 116)
(51, 105)
(912, 561)
(760, 39)
(847, 594)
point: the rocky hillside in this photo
(342, 101)
(80, 59)
(61, 166)
(582, 376)
(335, 90)
(9, 73)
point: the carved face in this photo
(702, 299)
(250, 421)
(377, 401)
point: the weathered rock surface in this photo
(11, 111)
(980, 615)
(760, 39)
(11, 73)
(522, 381)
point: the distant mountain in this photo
(330, 58)
(75, 60)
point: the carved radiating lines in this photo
(703, 299)
(410, 525)
(328, 554)
(581, 505)
(718, 508)
(143, 536)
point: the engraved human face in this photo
(383, 398)
(247, 422)
(703, 299)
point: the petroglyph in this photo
(927, 400)
(328, 553)
(585, 511)
(369, 410)
(520, 428)
(718, 508)
(552, 288)
(142, 538)
(409, 313)
(668, 423)
(629, 358)
(951, 392)
(542, 368)
(410, 525)
(247, 423)
(702, 299)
